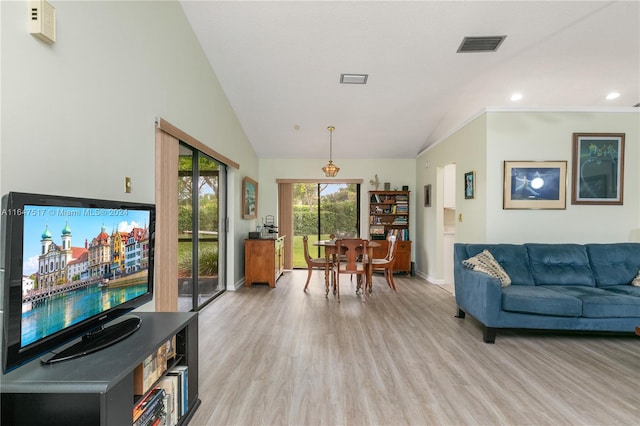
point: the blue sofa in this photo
(553, 287)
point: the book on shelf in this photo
(180, 371)
(400, 234)
(376, 230)
(153, 367)
(149, 408)
(170, 386)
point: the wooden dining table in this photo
(330, 250)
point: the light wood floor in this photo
(283, 357)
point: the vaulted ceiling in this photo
(279, 62)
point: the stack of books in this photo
(167, 402)
(151, 410)
(163, 396)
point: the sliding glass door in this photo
(201, 228)
(322, 209)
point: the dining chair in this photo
(387, 263)
(312, 262)
(351, 259)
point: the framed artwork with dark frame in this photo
(598, 168)
(249, 198)
(427, 195)
(470, 185)
(535, 185)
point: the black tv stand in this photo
(95, 340)
(99, 389)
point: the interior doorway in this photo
(448, 222)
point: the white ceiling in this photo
(280, 62)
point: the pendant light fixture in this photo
(330, 170)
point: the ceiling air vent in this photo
(481, 44)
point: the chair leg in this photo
(393, 283)
(362, 283)
(308, 279)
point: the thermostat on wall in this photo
(42, 20)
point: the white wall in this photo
(519, 136)
(78, 115)
(397, 172)
(466, 148)
(483, 144)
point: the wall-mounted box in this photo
(42, 20)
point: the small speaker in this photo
(254, 235)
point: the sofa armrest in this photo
(478, 294)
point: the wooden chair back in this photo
(351, 254)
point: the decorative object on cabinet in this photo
(387, 186)
(331, 170)
(263, 261)
(469, 185)
(389, 216)
(375, 183)
(427, 195)
(598, 168)
(534, 185)
(249, 198)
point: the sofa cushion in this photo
(624, 289)
(513, 258)
(560, 264)
(484, 262)
(602, 303)
(614, 264)
(540, 300)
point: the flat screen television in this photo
(72, 268)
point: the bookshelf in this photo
(101, 388)
(389, 215)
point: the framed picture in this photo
(427, 195)
(469, 185)
(535, 185)
(598, 168)
(249, 198)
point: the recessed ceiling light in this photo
(613, 95)
(353, 78)
(516, 97)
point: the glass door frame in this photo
(196, 305)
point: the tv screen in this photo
(70, 266)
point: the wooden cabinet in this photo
(98, 389)
(263, 261)
(403, 259)
(389, 215)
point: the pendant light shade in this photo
(331, 170)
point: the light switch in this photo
(127, 184)
(459, 217)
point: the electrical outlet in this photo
(127, 184)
